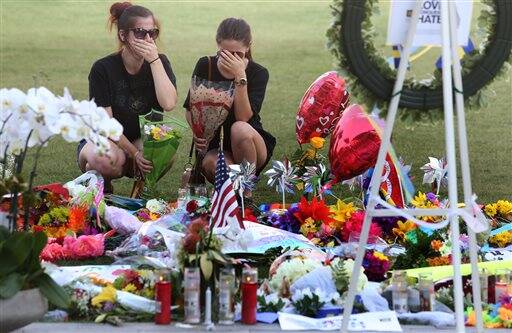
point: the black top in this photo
(257, 78)
(128, 95)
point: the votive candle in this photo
(163, 299)
(249, 295)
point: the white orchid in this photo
(42, 115)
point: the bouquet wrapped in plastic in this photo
(210, 103)
(160, 140)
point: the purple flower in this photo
(90, 230)
(431, 197)
(108, 306)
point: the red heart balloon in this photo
(354, 144)
(321, 107)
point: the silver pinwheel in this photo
(282, 176)
(244, 179)
(314, 177)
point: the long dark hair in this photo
(235, 29)
(124, 14)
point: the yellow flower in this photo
(309, 154)
(403, 228)
(421, 201)
(504, 207)
(380, 256)
(308, 226)
(341, 212)
(491, 209)
(107, 294)
(156, 132)
(130, 287)
(317, 142)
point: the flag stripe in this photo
(224, 203)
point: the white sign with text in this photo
(428, 31)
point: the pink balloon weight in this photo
(354, 144)
(321, 107)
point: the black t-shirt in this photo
(257, 78)
(128, 95)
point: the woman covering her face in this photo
(244, 136)
(127, 84)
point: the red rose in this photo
(192, 206)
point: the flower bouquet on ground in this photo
(209, 107)
(160, 140)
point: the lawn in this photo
(54, 43)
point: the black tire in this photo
(495, 54)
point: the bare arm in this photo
(165, 90)
(125, 144)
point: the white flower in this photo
(156, 206)
(272, 298)
(10, 102)
(44, 103)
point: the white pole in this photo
(464, 161)
(379, 166)
(452, 170)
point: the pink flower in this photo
(85, 246)
(53, 252)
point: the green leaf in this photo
(11, 284)
(34, 264)
(101, 318)
(217, 256)
(52, 291)
(206, 266)
(15, 251)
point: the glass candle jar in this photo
(427, 294)
(192, 294)
(226, 296)
(400, 292)
(501, 283)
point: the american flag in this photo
(224, 204)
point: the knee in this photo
(107, 166)
(241, 131)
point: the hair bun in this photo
(117, 9)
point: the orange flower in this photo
(77, 217)
(439, 261)
(436, 245)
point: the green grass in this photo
(62, 40)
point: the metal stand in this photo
(472, 216)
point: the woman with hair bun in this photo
(129, 83)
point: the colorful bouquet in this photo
(160, 140)
(139, 282)
(315, 221)
(376, 265)
(210, 103)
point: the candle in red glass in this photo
(249, 295)
(163, 300)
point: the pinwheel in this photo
(244, 178)
(314, 178)
(435, 171)
(282, 176)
